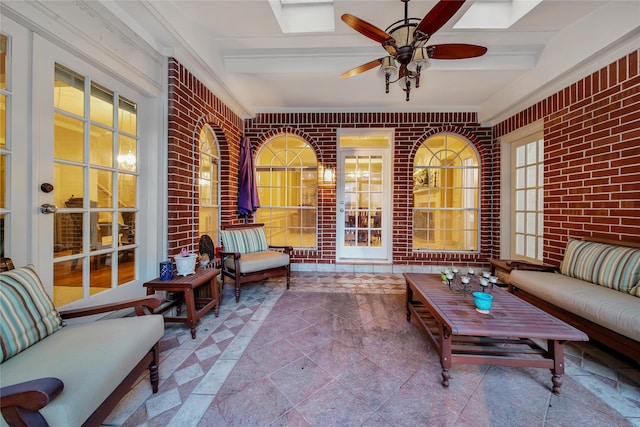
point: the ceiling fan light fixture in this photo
(419, 60)
(406, 83)
(388, 67)
(405, 42)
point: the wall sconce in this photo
(329, 175)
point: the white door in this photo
(364, 205)
(70, 144)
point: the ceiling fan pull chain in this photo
(387, 76)
(408, 89)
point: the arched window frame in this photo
(209, 184)
(446, 202)
(287, 182)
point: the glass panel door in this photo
(363, 205)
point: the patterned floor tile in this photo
(336, 349)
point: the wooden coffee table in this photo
(504, 337)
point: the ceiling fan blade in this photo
(362, 68)
(438, 16)
(455, 51)
(371, 31)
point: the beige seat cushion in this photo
(90, 358)
(615, 310)
(259, 261)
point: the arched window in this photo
(209, 184)
(287, 177)
(446, 195)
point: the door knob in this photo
(48, 208)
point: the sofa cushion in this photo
(620, 269)
(614, 310)
(259, 261)
(615, 267)
(245, 240)
(27, 313)
(90, 358)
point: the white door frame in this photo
(369, 255)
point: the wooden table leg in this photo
(408, 301)
(445, 354)
(190, 304)
(213, 284)
(556, 352)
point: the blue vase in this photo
(166, 270)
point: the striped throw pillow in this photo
(620, 269)
(245, 240)
(27, 314)
(582, 260)
(616, 267)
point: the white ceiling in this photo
(237, 48)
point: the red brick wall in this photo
(191, 105)
(411, 129)
(592, 156)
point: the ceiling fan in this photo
(405, 42)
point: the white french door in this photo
(75, 157)
(364, 205)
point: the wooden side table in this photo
(182, 288)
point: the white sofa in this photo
(596, 289)
(69, 375)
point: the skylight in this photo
(495, 13)
(304, 16)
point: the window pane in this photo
(127, 154)
(101, 105)
(520, 244)
(101, 147)
(127, 189)
(68, 143)
(68, 181)
(520, 178)
(531, 247)
(68, 91)
(531, 200)
(539, 254)
(532, 153)
(127, 116)
(532, 178)
(520, 222)
(531, 223)
(101, 188)
(520, 200)
(520, 156)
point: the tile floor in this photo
(336, 350)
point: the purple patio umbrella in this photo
(248, 200)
